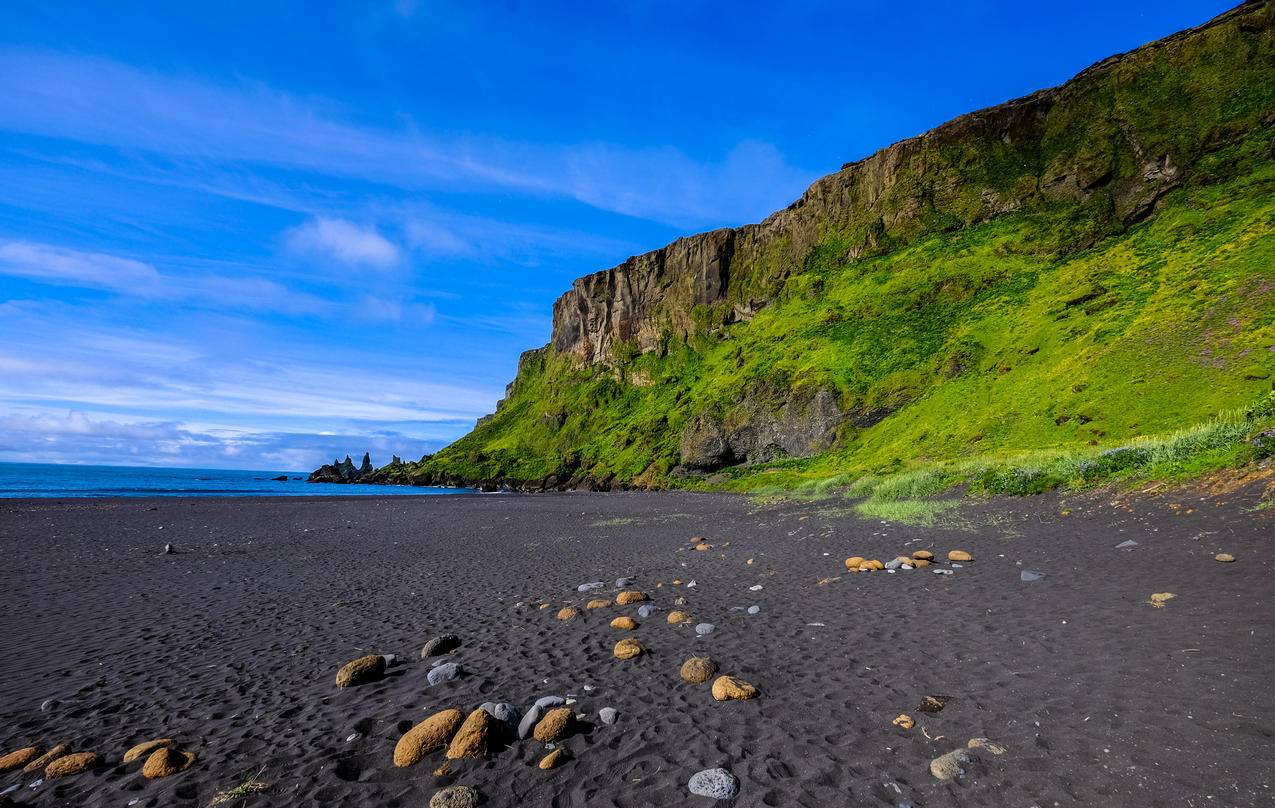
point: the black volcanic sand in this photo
(231, 647)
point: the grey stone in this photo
(443, 644)
(705, 628)
(529, 721)
(503, 712)
(893, 564)
(589, 587)
(942, 572)
(716, 784)
(444, 673)
(169, 549)
(646, 610)
(454, 797)
(1029, 576)
(608, 715)
(545, 702)
(754, 609)
(1127, 544)
(950, 766)
(390, 659)
(48, 704)
(620, 583)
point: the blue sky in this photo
(261, 235)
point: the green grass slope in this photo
(1052, 331)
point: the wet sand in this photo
(230, 646)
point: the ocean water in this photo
(47, 480)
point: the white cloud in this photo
(344, 242)
(64, 267)
(108, 103)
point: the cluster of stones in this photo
(161, 759)
(918, 560)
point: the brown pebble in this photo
(165, 762)
(70, 764)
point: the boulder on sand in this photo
(556, 724)
(45, 759)
(951, 765)
(443, 644)
(70, 764)
(443, 673)
(923, 555)
(455, 797)
(959, 556)
(360, 671)
(624, 622)
(19, 757)
(474, 737)
(716, 784)
(432, 733)
(853, 562)
(678, 617)
(730, 688)
(568, 613)
(165, 762)
(628, 649)
(630, 596)
(698, 670)
(552, 759)
(598, 603)
(145, 748)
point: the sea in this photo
(49, 480)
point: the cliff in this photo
(1006, 269)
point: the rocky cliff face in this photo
(744, 345)
(894, 192)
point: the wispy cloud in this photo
(104, 102)
(64, 267)
(344, 242)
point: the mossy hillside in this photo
(987, 340)
(1052, 324)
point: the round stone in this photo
(443, 673)
(754, 609)
(960, 556)
(716, 784)
(646, 610)
(698, 670)
(454, 797)
(705, 628)
(608, 715)
(443, 644)
(628, 649)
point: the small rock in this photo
(698, 670)
(169, 549)
(556, 724)
(893, 564)
(755, 588)
(454, 797)
(529, 721)
(932, 704)
(704, 629)
(597, 603)
(590, 587)
(19, 757)
(905, 721)
(505, 713)
(960, 556)
(1127, 544)
(620, 583)
(754, 609)
(853, 562)
(703, 547)
(1029, 576)
(143, 749)
(942, 572)
(545, 702)
(716, 784)
(608, 715)
(987, 745)
(474, 737)
(552, 759)
(1225, 558)
(630, 596)
(70, 764)
(443, 644)
(678, 617)
(730, 688)
(568, 613)
(921, 562)
(624, 623)
(646, 610)
(45, 759)
(361, 671)
(165, 762)
(923, 555)
(48, 704)
(1160, 598)
(444, 673)
(949, 766)
(628, 649)
(433, 733)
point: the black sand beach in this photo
(231, 645)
